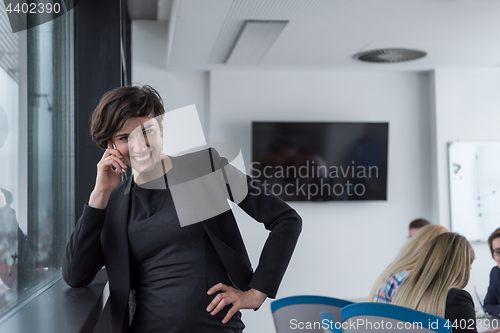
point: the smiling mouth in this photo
(143, 159)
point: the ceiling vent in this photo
(254, 42)
(389, 55)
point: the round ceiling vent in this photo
(389, 55)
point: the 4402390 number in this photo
(470, 324)
(33, 8)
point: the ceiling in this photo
(325, 34)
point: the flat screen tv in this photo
(321, 161)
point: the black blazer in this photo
(460, 311)
(492, 299)
(100, 238)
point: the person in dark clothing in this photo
(167, 244)
(492, 299)
(435, 283)
(17, 261)
(416, 225)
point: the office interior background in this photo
(52, 75)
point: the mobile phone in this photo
(124, 174)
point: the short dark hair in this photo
(418, 223)
(120, 104)
(493, 236)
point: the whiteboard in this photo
(474, 169)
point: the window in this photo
(36, 155)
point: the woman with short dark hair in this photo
(192, 278)
(119, 105)
(492, 299)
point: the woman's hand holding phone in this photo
(109, 171)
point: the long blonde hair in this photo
(408, 255)
(444, 264)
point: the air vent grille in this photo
(389, 55)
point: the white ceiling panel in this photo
(194, 30)
(327, 33)
(254, 42)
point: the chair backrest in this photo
(329, 323)
(372, 317)
(301, 313)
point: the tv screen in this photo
(321, 161)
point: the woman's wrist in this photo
(99, 199)
(259, 296)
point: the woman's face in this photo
(140, 143)
(496, 246)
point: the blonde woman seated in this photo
(384, 288)
(435, 283)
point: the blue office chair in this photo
(329, 323)
(301, 313)
(377, 317)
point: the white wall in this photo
(467, 108)
(149, 59)
(344, 245)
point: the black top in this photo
(492, 299)
(460, 311)
(172, 268)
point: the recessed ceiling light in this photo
(255, 40)
(389, 55)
